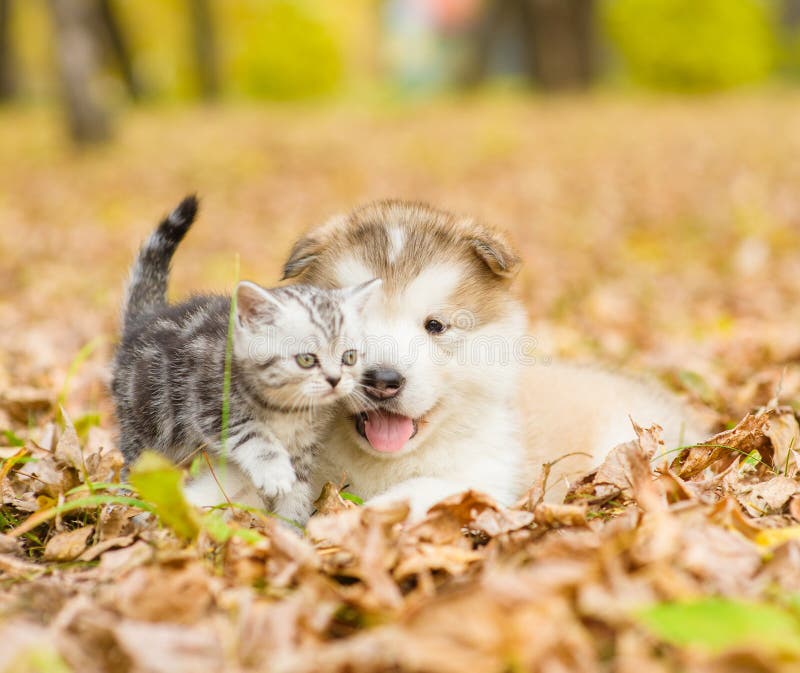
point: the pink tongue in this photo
(388, 432)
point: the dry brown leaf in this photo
(723, 448)
(22, 402)
(96, 550)
(9, 544)
(157, 594)
(783, 568)
(116, 562)
(69, 545)
(171, 648)
(447, 519)
(113, 521)
(85, 637)
(535, 493)
(723, 560)
(102, 460)
(13, 566)
(427, 557)
(784, 433)
(657, 537)
(552, 515)
(361, 543)
(768, 497)
(794, 507)
(330, 502)
(494, 522)
(627, 466)
(68, 449)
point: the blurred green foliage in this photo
(693, 45)
(280, 49)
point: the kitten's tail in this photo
(147, 288)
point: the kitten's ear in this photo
(359, 295)
(254, 304)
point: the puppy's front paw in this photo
(277, 479)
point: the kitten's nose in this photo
(383, 383)
(333, 380)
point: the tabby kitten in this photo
(294, 354)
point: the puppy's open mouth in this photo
(385, 432)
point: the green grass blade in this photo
(352, 497)
(226, 378)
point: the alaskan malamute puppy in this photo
(454, 400)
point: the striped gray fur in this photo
(168, 372)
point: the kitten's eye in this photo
(349, 357)
(306, 360)
(434, 326)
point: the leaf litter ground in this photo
(681, 561)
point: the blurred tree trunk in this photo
(561, 42)
(205, 48)
(556, 36)
(77, 55)
(8, 80)
(118, 46)
(790, 14)
(497, 14)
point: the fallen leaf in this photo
(553, 515)
(330, 502)
(158, 594)
(768, 497)
(171, 648)
(716, 625)
(68, 449)
(772, 537)
(159, 482)
(96, 550)
(784, 433)
(22, 402)
(723, 448)
(69, 545)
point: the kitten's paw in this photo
(277, 480)
(296, 505)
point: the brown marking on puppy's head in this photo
(395, 241)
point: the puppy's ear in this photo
(308, 248)
(303, 253)
(493, 249)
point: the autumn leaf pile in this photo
(662, 236)
(99, 585)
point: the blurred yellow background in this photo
(642, 153)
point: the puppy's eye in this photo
(350, 357)
(306, 360)
(434, 326)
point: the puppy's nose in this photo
(382, 383)
(333, 380)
